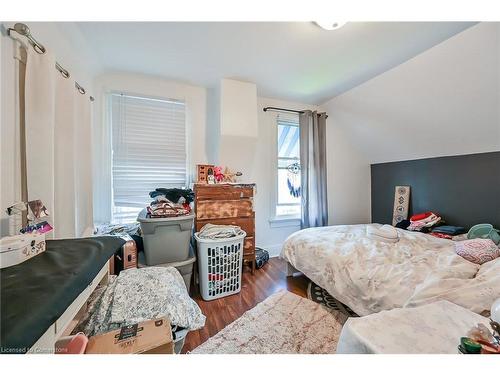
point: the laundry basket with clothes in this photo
(220, 260)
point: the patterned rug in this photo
(284, 323)
(319, 295)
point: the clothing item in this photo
(212, 231)
(422, 216)
(403, 224)
(427, 222)
(173, 195)
(132, 229)
(449, 229)
(441, 235)
(165, 208)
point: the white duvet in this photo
(371, 275)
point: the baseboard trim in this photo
(274, 250)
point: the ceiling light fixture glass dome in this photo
(329, 25)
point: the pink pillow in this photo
(477, 250)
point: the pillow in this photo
(154, 292)
(477, 250)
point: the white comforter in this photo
(372, 275)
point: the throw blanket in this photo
(370, 275)
(141, 294)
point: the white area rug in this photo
(282, 324)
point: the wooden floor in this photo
(255, 288)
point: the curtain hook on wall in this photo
(80, 89)
(24, 30)
(63, 71)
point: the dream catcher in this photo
(293, 179)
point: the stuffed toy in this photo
(219, 176)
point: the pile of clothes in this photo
(447, 231)
(132, 229)
(170, 202)
(429, 222)
(213, 231)
(424, 222)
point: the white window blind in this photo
(149, 151)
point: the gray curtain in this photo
(313, 169)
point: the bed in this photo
(41, 296)
(370, 275)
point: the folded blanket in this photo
(422, 216)
(384, 233)
(449, 229)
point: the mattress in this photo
(371, 275)
(34, 294)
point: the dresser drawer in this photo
(216, 192)
(247, 224)
(223, 209)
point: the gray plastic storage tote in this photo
(166, 240)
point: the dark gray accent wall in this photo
(464, 189)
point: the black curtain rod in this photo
(283, 110)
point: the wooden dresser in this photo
(228, 204)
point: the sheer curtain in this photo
(58, 157)
(313, 169)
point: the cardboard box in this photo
(148, 337)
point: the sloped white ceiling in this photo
(288, 60)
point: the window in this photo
(149, 151)
(288, 176)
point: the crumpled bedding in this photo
(141, 294)
(370, 275)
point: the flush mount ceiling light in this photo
(328, 25)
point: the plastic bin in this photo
(220, 263)
(19, 248)
(185, 267)
(166, 240)
(179, 336)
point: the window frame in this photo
(278, 221)
(109, 118)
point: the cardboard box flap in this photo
(151, 336)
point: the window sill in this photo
(284, 221)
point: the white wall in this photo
(195, 98)
(238, 128)
(444, 101)
(72, 53)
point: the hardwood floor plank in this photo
(255, 288)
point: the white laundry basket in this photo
(220, 263)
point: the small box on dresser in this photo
(228, 204)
